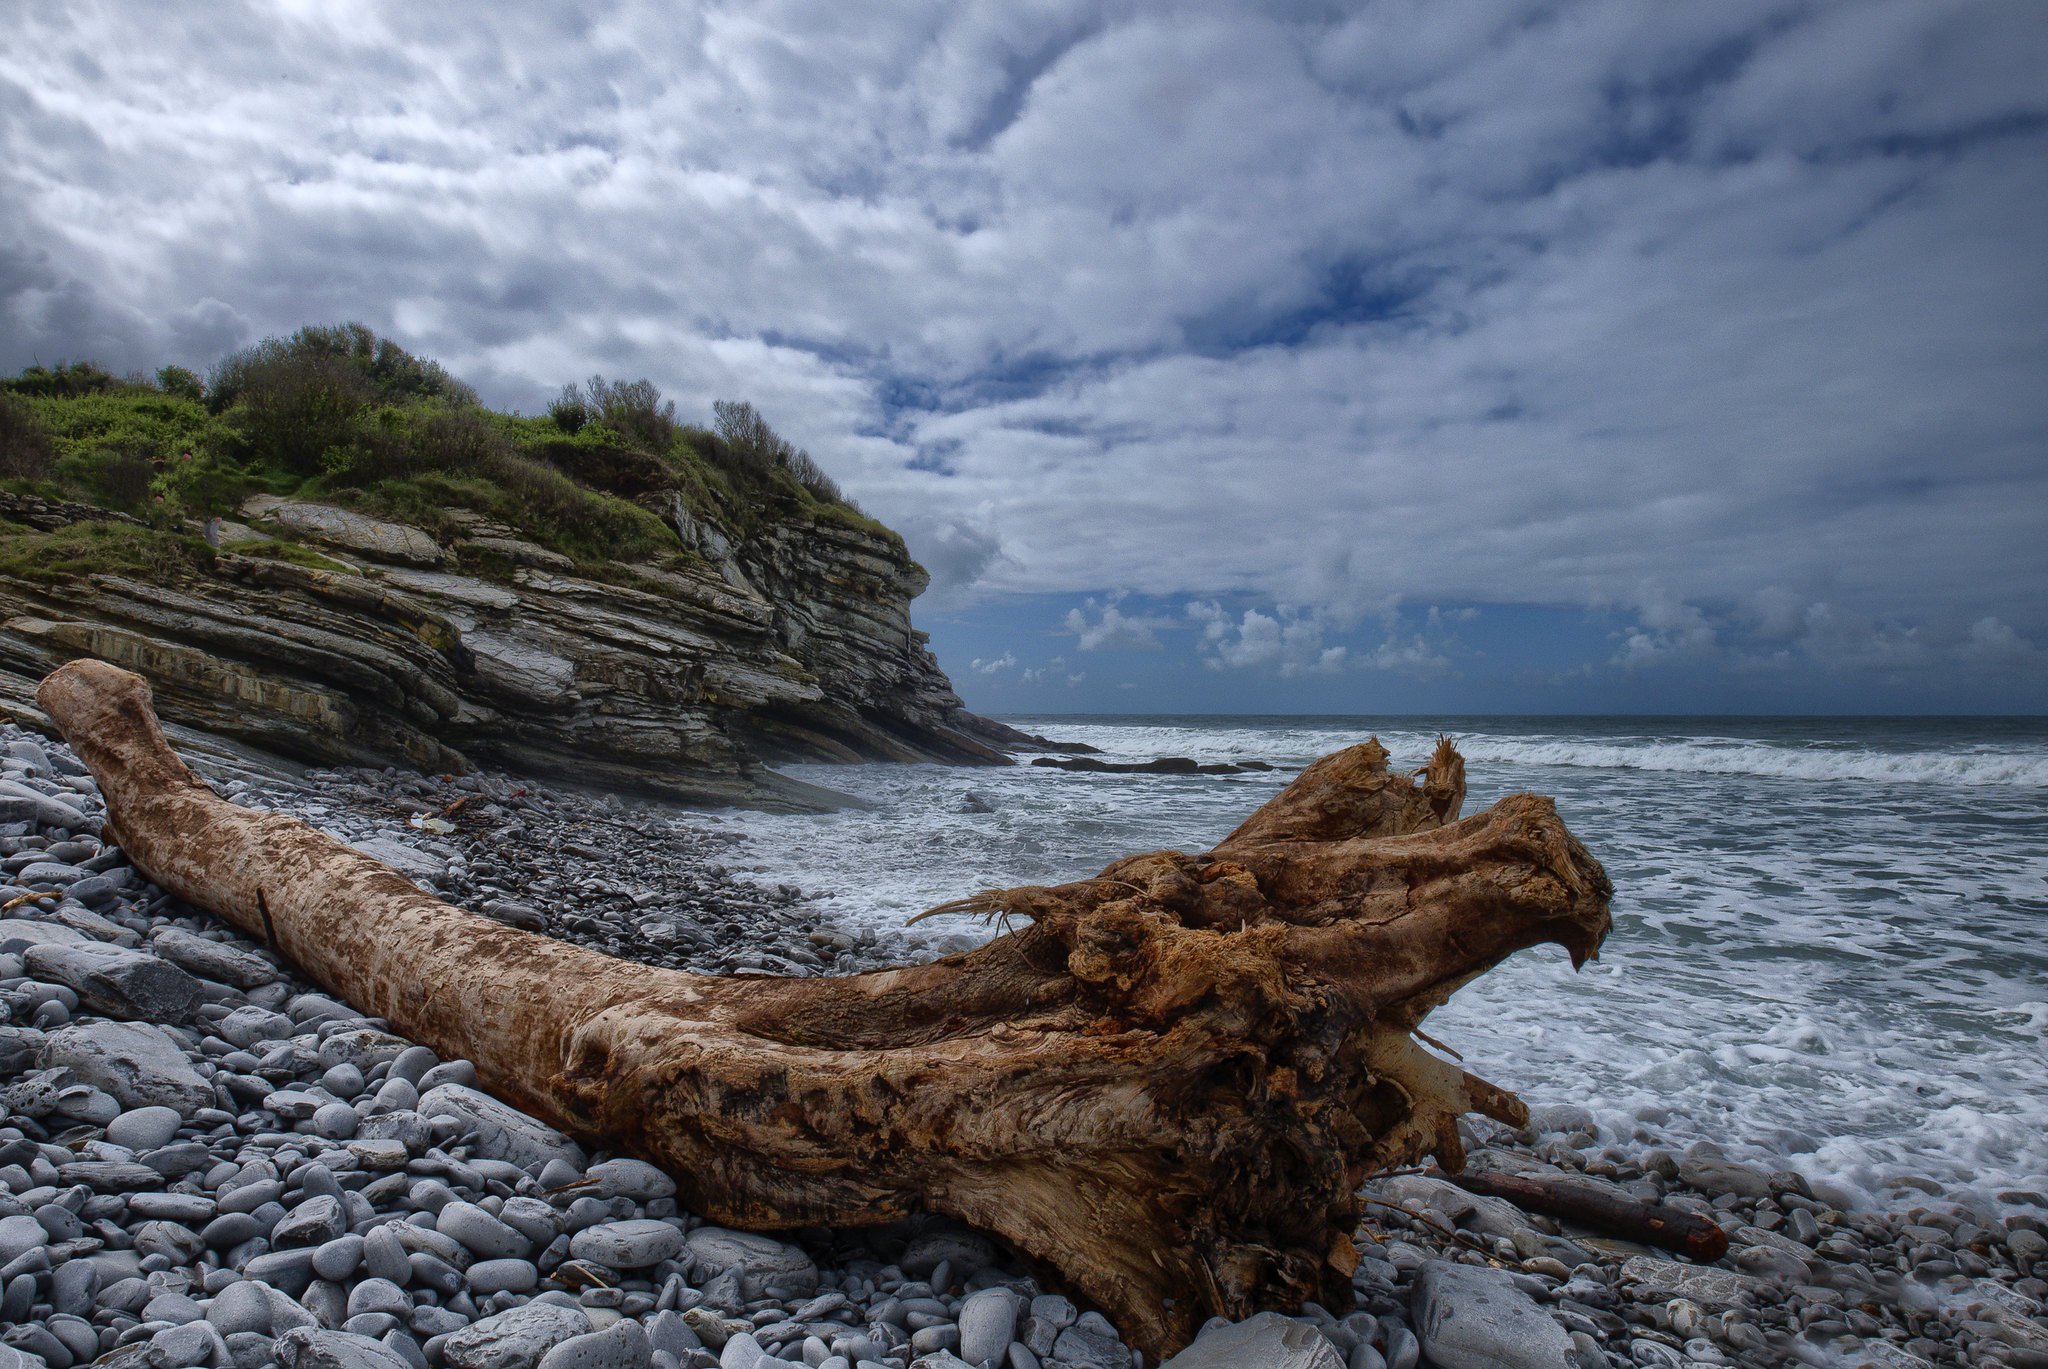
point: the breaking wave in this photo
(1708, 757)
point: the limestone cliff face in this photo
(791, 643)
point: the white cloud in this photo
(958, 552)
(1666, 630)
(1415, 656)
(1993, 643)
(994, 665)
(1539, 302)
(1114, 630)
(1289, 643)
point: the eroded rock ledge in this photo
(793, 644)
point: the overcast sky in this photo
(1390, 356)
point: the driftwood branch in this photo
(1601, 1209)
(1168, 1086)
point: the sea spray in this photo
(1827, 943)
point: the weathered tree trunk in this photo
(1169, 1085)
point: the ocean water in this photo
(1830, 945)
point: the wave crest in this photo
(2002, 768)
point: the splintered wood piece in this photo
(1168, 1085)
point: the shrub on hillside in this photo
(398, 444)
(458, 440)
(413, 462)
(65, 380)
(291, 408)
(179, 382)
(121, 480)
(633, 409)
(26, 452)
(386, 370)
(749, 443)
(625, 471)
(207, 485)
(569, 410)
(812, 477)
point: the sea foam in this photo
(1827, 943)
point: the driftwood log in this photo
(1168, 1083)
(1602, 1209)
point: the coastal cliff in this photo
(795, 645)
(599, 596)
(386, 652)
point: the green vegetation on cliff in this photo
(341, 416)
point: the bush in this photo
(122, 481)
(633, 409)
(570, 411)
(181, 383)
(748, 443)
(66, 380)
(291, 408)
(399, 444)
(813, 478)
(457, 440)
(26, 452)
(207, 485)
(385, 370)
(412, 464)
(625, 471)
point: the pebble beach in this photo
(208, 1161)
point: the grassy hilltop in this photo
(339, 415)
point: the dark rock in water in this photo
(971, 802)
(1713, 1174)
(119, 982)
(1164, 765)
(1014, 739)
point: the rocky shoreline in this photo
(628, 877)
(208, 1161)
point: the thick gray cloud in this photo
(1727, 317)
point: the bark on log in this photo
(1168, 1086)
(1594, 1206)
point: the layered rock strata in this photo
(680, 679)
